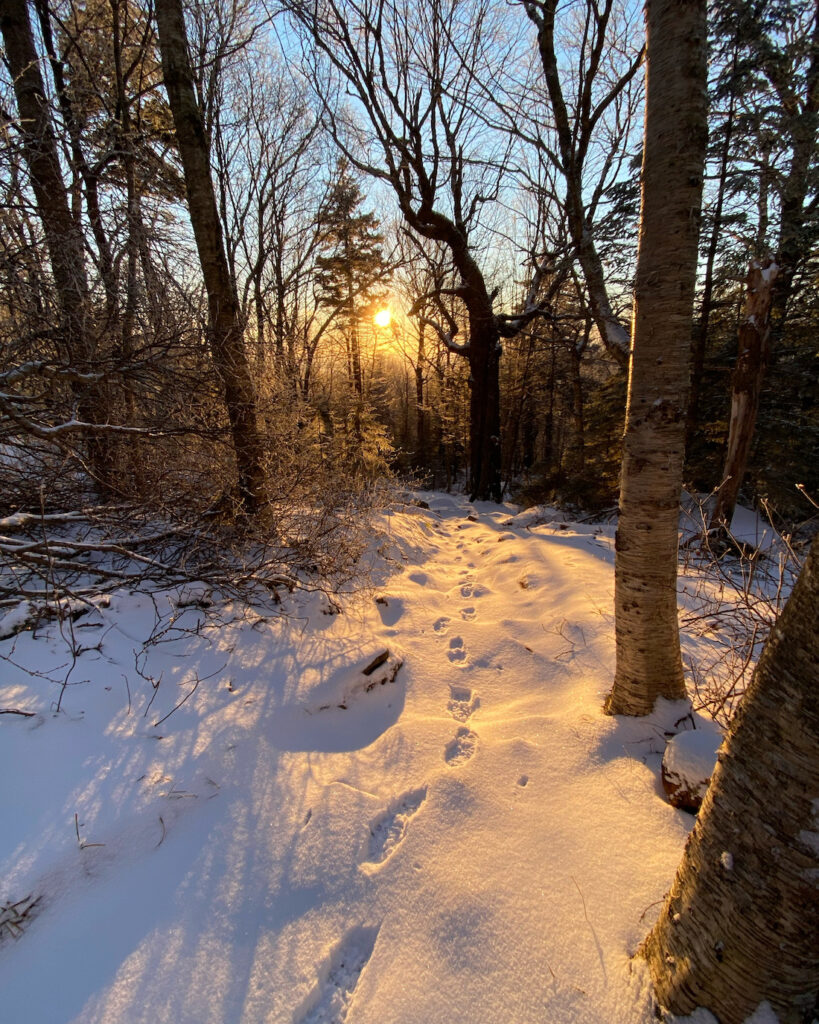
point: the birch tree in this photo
(649, 664)
(741, 923)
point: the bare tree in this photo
(598, 85)
(649, 663)
(226, 328)
(412, 71)
(76, 336)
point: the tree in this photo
(63, 235)
(350, 269)
(775, 70)
(76, 336)
(226, 328)
(749, 371)
(412, 70)
(741, 923)
(649, 664)
(598, 89)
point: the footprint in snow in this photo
(390, 609)
(331, 1001)
(387, 830)
(473, 590)
(462, 703)
(456, 652)
(440, 625)
(460, 749)
(468, 614)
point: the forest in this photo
(305, 305)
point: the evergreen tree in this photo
(352, 269)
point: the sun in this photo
(382, 318)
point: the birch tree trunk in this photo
(741, 923)
(226, 334)
(649, 664)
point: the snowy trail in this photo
(468, 841)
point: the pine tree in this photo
(351, 272)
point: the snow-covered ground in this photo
(448, 833)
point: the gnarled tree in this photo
(412, 70)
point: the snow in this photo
(15, 619)
(690, 756)
(238, 816)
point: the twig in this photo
(82, 843)
(583, 900)
(654, 904)
(179, 705)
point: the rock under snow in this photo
(688, 763)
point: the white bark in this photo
(741, 923)
(649, 664)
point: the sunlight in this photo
(382, 318)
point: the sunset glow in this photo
(382, 318)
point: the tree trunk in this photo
(227, 344)
(741, 923)
(749, 373)
(649, 664)
(700, 341)
(63, 234)
(420, 414)
(577, 447)
(484, 411)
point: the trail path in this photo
(468, 842)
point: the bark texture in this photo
(226, 334)
(62, 230)
(649, 664)
(741, 923)
(746, 386)
(63, 237)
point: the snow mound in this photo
(688, 763)
(348, 710)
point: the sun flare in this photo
(382, 318)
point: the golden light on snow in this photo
(382, 318)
